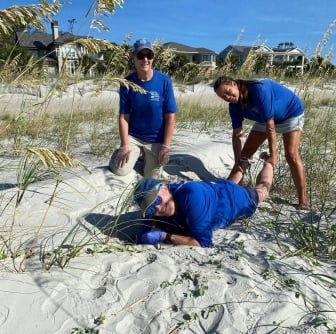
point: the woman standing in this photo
(275, 109)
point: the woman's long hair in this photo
(243, 87)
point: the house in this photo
(292, 56)
(202, 56)
(60, 50)
(238, 52)
(38, 43)
(289, 55)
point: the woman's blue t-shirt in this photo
(147, 111)
(267, 99)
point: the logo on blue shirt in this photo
(154, 96)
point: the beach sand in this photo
(83, 276)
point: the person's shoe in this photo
(246, 160)
(245, 163)
(264, 156)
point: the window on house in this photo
(72, 67)
(206, 58)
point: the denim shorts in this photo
(289, 125)
(253, 194)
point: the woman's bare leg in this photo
(291, 142)
(252, 143)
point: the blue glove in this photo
(151, 237)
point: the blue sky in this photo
(213, 24)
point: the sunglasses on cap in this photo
(143, 55)
(150, 211)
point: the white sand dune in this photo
(244, 284)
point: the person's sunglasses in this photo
(143, 55)
(151, 210)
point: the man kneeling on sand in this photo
(187, 213)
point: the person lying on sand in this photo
(187, 213)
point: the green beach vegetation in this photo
(44, 142)
(40, 143)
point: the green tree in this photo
(319, 65)
(177, 62)
(117, 60)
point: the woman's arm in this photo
(168, 134)
(154, 237)
(123, 129)
(272, 142)
(237, 143)
(236, 173)
(123, 133)
(177, 239)
(169, 128)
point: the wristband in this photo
(167, 239)
(166, 146)
(122, 147)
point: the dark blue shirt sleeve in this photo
(194, 202)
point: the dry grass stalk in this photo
(325, 39)
(53, 158)
(94, 45)
(108, 5)
(102, 8)
(126, 83)
(26, 16)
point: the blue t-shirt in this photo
(147, 111)
(267, 99)
(203, 207)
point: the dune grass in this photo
(43, 143)
(39, 130)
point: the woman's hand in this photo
(273, 160)
(123, 156)
(153, 237)
(236, 174)
(164, 155)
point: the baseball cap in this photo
(141, 44)
(146, 194)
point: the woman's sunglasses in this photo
(143, 55)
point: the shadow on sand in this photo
(126, 227)
(180, 164)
